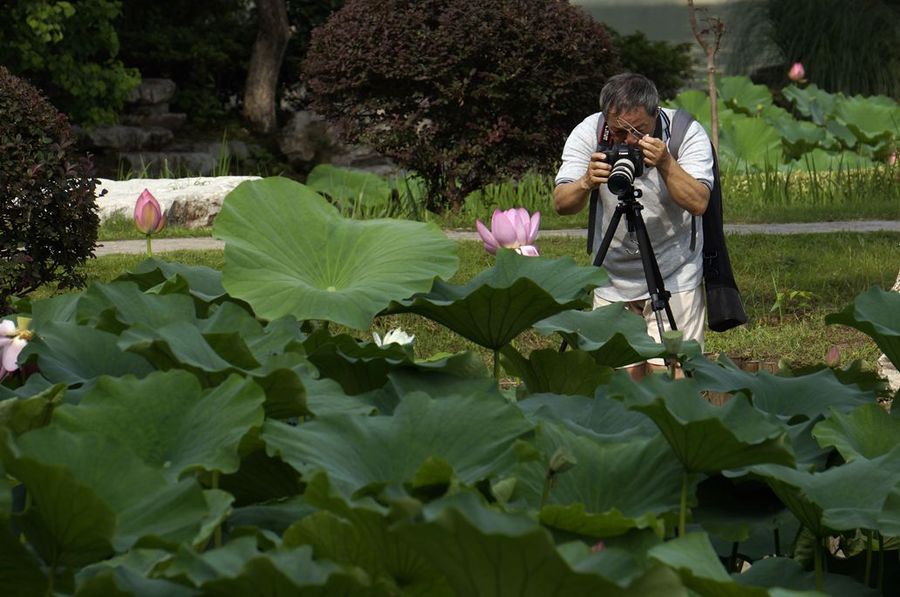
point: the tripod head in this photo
(629, 194)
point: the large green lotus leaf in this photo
(704, 437)
(612, 334)
(204, 283)
(20, 574)
(695, 561)
(601, 418)
(811, 101)
(867, 432)
(349, 186)
(471, 433)
(746, 511)
(819, 160)
(24, 414)
(789, 574)
(70, 353)
(125, 582)
(128, 305)
(175, 346)
(741, 95)
(60, 308)
(92, 495)
(876, 313)
(274, 515)
(169, 421)
(364, 533)
(845, 137)
(870, 118)
(550, 371)
(697, 103)
(808, 395)
(798, 136)
(503, 301)
(261, 479)
(832, 500)
(752, 140)
(239, 569)
(488, 553)
(611, 489)
(288, 252)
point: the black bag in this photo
(724, 307)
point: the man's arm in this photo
(571, 197)
(684, 189)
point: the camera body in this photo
(627, 163)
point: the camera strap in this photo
(602, 141)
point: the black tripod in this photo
(659, 296)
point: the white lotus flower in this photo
(12, 340)
(395, 336)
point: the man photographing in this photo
(673, 192)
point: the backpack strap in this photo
(595, 193)
(680, 124)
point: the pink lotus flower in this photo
(511, 229)
(148, 216)
(797, 72)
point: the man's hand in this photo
(655, 151)
(597, 171)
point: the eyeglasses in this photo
(630, 128)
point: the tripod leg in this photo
(659, 296)
(609, 234)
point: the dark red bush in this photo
(48, 211)
(464, 92)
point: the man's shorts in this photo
(688, 309)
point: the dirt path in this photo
(205, 243)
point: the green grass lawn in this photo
(828, 269)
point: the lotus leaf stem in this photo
(817, 554)
(777, 538)
(497, 366)
(682, 516)
(880, 562)
(548, 482)
(868, 573)
(149, 246)
(217, 534)
(732, 561)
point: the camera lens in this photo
(621, 177)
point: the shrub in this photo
(48, 213)
(668, 65)
(69, 50)
(463, 92)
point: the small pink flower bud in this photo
(833, 357)
(148, 216)
(797, 72)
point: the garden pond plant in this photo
(185, 431)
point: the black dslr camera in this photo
(627, 164)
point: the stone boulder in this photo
(188, 202)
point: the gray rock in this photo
(189, 163)
(168, 120)
(305, 137)
(153, 91)
(188, 202)
(129, 138)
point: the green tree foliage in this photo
(203, 46)
(463, 92)
(70, 51)
(48, 214)
(668, 65)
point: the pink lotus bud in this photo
(148, 216)
(511, 229)
(797, 72)
(833, 357)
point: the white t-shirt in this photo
(668, 224)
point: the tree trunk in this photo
(273, 32)
(709, 39)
